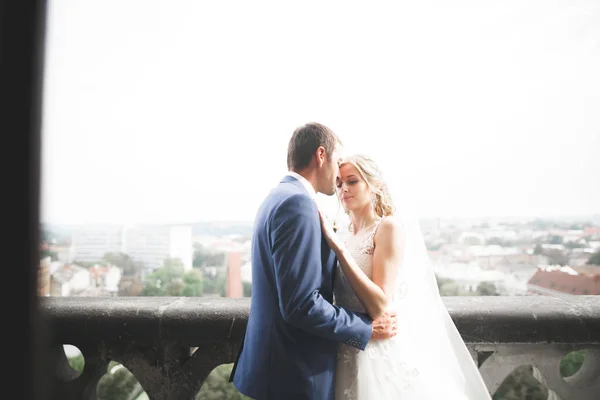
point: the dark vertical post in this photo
(22, 40)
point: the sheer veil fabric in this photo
(428, 358)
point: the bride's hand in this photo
(329, 233)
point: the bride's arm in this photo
(373, 294)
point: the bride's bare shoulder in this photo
(390, 226)
(391, 223)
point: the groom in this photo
(290, 348)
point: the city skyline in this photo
(182, 112)
(224, 225)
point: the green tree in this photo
(157, 283)
(521, 384)
(574, 245)
(130, 286)
(192, 284)
(486, 289)
(571, 363)
(450, 288)
(203, 257)
(217, 386)
(594, 259)
(441, 281)
(215, 285)
(555, 239)
(172, 280)
(118, 384)
(556, 257)
(47, 253)
(122, 261)
(247, 287)
(77, 362)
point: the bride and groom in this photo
(359, 318)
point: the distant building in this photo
(151, 245)
(563, 281)
(591, 231)
(225, 245)
(91, 242)
(589, 270)
(518, 278)
(69, 280)
(44, 277)
(147, 245)
(491, 255)
(520, 261)
(247, 272)
(469, 275)
(106, 278)
(234, 287)
(64, 254)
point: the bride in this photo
(383, 264)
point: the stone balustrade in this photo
(172, 344)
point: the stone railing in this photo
(154, 336)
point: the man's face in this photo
(331, 171)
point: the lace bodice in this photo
(361, 248)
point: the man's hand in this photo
(385, 326)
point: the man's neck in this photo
(309, 175)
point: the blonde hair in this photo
(371, 174)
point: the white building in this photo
(469, 275)
(516, 281)
(247, 272)
(151, 245)
(491, 255)
(595, 245)
(91, 242)
(148, 245)
(68, 280)
(112, 279)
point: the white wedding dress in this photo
(427, 359)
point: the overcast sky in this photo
(180, 111)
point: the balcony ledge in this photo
(152, 337)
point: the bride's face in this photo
(352, 190)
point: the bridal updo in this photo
(370, 172)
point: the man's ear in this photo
(321, 156)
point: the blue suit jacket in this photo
(290, 347)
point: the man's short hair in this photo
(306, 140)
